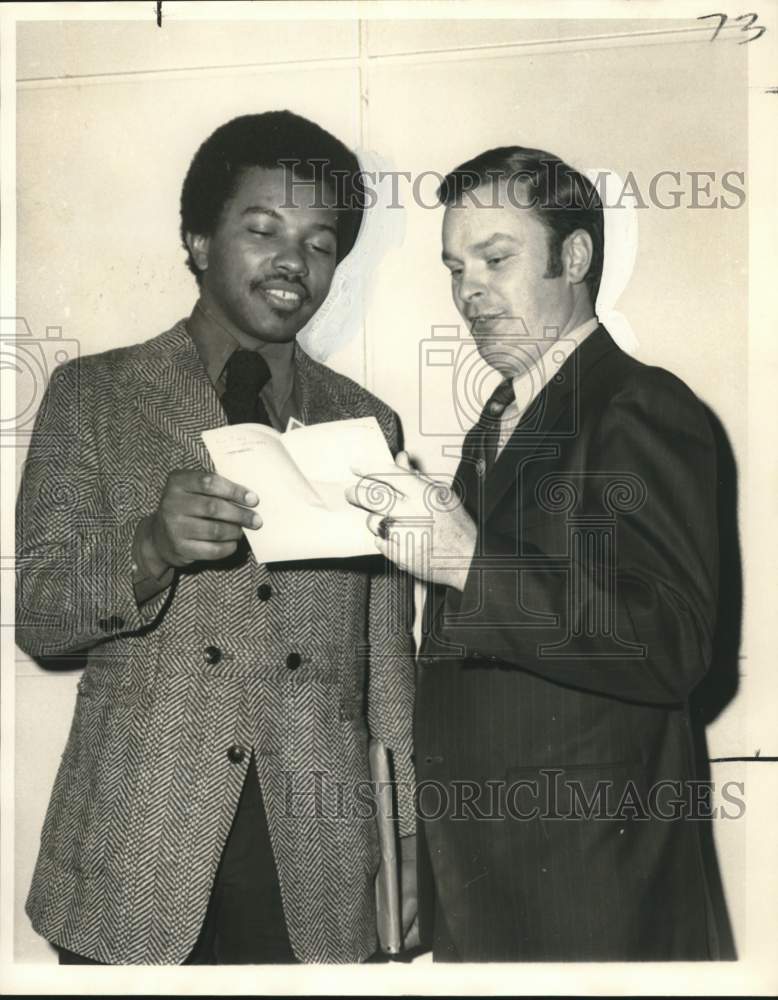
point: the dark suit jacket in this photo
(561, 675)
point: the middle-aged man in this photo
(204, 809)
(571, 607)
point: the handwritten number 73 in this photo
(751, 18)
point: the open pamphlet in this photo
(300, 477)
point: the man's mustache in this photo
(282, 284)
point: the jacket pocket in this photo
(84, 822)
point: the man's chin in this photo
(274, 337)
(497, 355)
(510, 356)
(277, 329)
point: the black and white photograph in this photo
(388, 498)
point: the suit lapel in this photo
(174, 393)
(468, 476)
(318, 403)
(542, 424)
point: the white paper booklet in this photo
(300, 478)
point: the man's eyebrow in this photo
(328, 226)
(494, 238)
(482, 245)
(264, 210)
(254, 209)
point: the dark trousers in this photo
(433, 927)
(443, 947)
(244, 922)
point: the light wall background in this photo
(109, 115)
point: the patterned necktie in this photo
(491, 419)
(247, 372)
(480, 447)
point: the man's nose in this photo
(470, 287)
(291, 260)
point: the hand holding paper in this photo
(428, 533)
(301, 478)
(200, 517)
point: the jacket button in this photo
(264, 591)
(213, 654)
(293, 661)
(236, 754)
(113, 624)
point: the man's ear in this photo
(198, 248)
(577, 254)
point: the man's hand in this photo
(419, 523)
(200, 516)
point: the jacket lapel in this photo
(468, 478)
(542, 423)
(175, 395)
(318, 403)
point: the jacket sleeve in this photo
(392, 671)
(634, 618)
(74, 545)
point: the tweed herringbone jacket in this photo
(295, 662)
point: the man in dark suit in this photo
(573, 583)
(204, 810)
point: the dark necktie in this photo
(491, 418)
(480, 446)
(246, 372)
